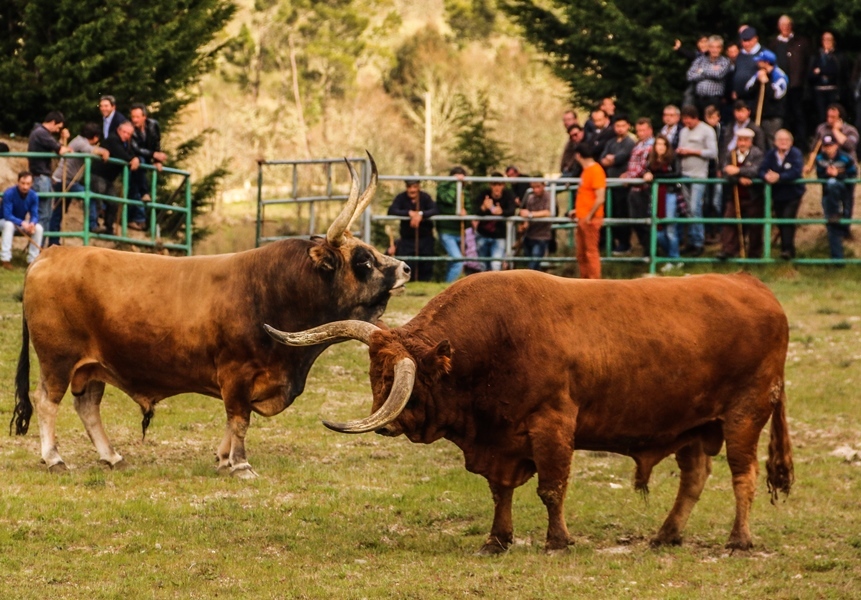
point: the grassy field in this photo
(334, 516)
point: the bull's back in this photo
(135, 314)
(633, 351)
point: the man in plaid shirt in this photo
(708, 73)
(639, 196)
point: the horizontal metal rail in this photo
(152, 207)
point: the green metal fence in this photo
(154, 208)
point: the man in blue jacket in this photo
(20, 215)
(835, 166)
(781, 167)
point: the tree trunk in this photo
(300, 111)
(428, 131)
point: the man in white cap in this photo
(741, 168)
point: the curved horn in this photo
(368, 194)
(402, 388)
(335, 234)
(339, 330)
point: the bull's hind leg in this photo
(223, 453)
(694, 469)
(502, 531)
(741, 443)
(87, 405)
(48, 400)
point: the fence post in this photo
(189, 230)
(653, 228)
(766, 252)
(259, 203)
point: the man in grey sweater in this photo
(697, 145)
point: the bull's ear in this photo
(323, 257)
(438, 360)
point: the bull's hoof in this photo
(121, 465)
(243, 472)
(58, 468)
(223, 469)
(743, 545)
(658, 541)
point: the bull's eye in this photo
(368, 264)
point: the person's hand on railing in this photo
(134, 163)
(772, 176)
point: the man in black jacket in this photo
(104, 174)
(417, 231)
(146, 143)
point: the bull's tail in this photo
(781, 474)
(23, 407)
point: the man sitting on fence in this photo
(69, 176)
(835, 167)
(104, 174)
(417, 231)
(20, 216)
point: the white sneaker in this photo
(668, 267)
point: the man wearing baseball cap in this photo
(769, 86)
(835, 167)
(745, 66)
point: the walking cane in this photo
(462, 239)
(760, 102)
(415, 272)
(738, 209)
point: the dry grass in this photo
(337, 516)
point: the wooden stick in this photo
(416, 271)
(738, 208)
(760, 102)
(811, 161)
(31, 240)
(462, 238)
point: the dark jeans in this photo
(535, 249)
(138, 186)
(640, 207)
(100, 185)
(835, 197)
(787, 209)
(621, 233)
(423, 269)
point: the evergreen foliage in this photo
(64, 54)
(474, 145)
(471, 20)
(623, 48)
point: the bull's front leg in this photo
(238, 420)
(502, 531)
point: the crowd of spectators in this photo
(27, 208)
(745, 118)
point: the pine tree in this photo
(64, 54)
(623, 48)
